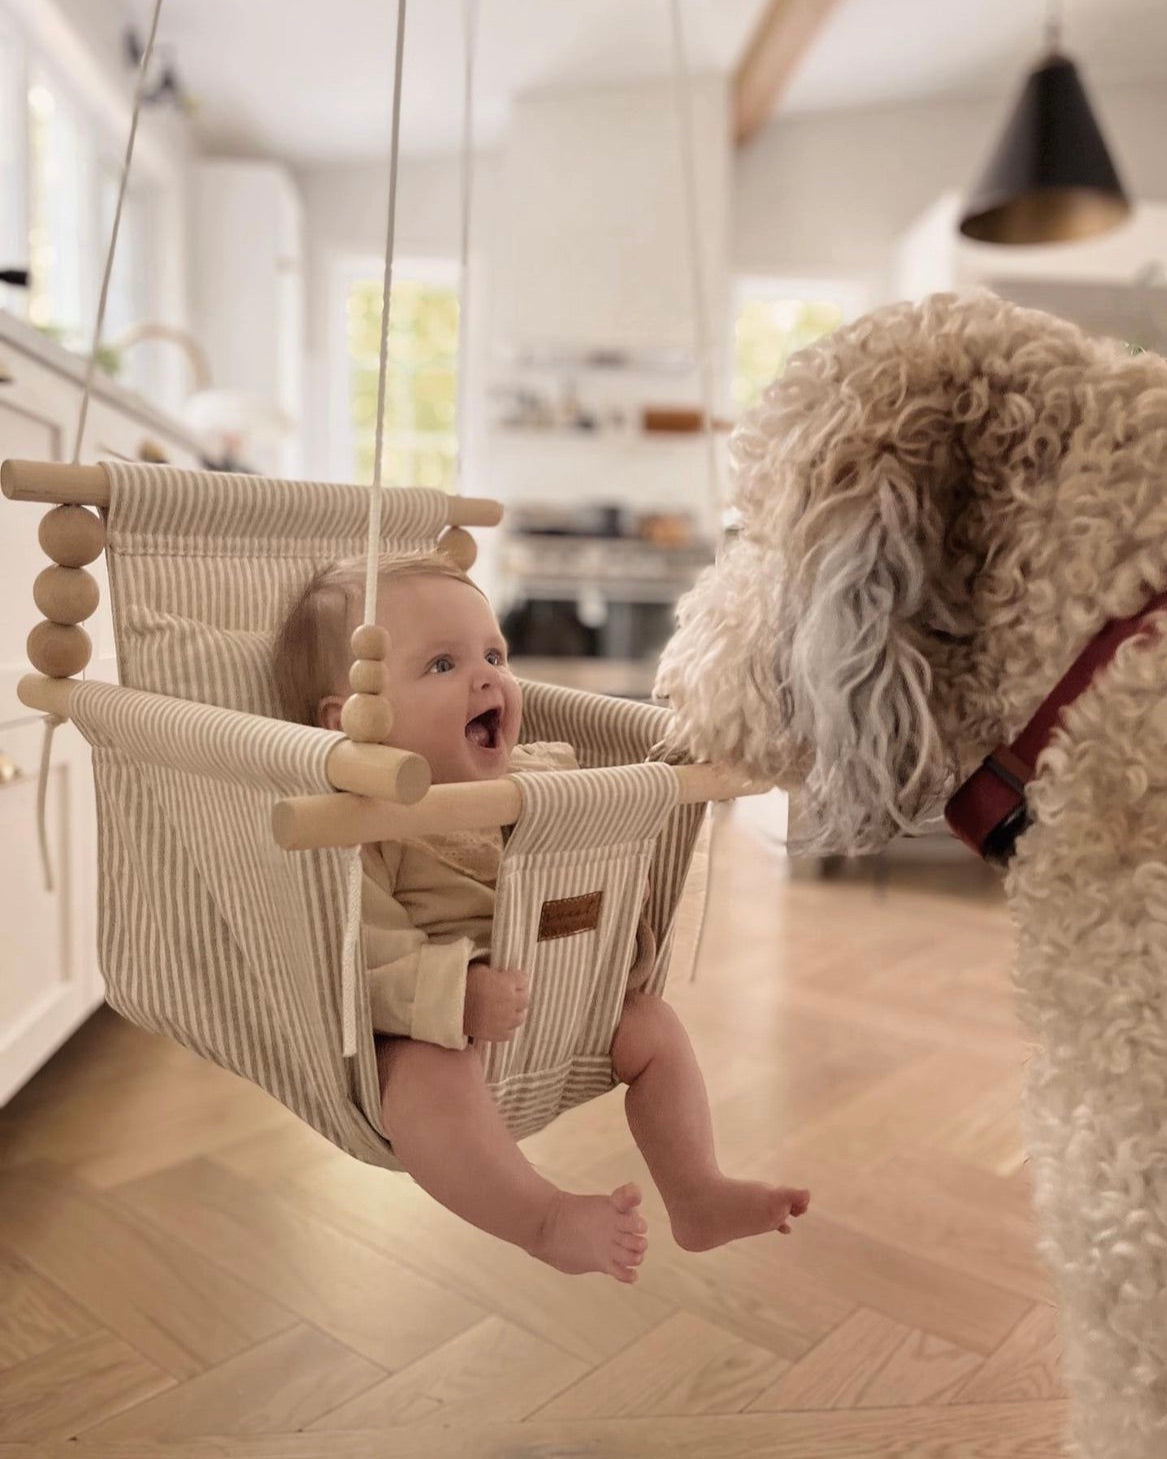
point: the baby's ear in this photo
(328, 712)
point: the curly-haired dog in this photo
(941, 506)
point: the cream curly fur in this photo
(940, 505)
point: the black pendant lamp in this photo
(1051, 179)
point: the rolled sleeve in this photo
(422, 994)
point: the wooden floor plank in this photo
(1026, 1365)
(356, 1293)
(74, 1385)
(684, 1366)
(493, 1373)
(181, 1311)
(869, 1361)
(276, 1387)
(996, 1431)
(34, 1315)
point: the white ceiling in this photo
(310, 79)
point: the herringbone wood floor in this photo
(185, 1271)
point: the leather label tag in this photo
(569, 915)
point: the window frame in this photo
(854, 297)
(347, 271)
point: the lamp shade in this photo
(1051, 178)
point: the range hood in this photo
(594, 260)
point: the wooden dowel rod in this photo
(367, 770)
(45, 695)
(301, 823)
(378, 770)
(50, 481)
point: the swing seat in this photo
(213, 934)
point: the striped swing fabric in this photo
(209, 932)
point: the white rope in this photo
(683, 94)
(51, 721)
(348, 976)
(470, 26)
(374, 542)
(91, 366)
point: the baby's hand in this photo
(496, 1002)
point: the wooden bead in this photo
(71, 536)
(366, 718)
(58, 649)
(457, 543)
(66, 594)
(370, 641)
(367, 676)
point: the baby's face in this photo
(454, 699)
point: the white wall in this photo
(830, 194)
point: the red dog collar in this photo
(989, 810)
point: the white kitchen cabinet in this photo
(248, 291)
(49, 979)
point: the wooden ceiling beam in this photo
(777, 46)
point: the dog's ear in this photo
(860, 567)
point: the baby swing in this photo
(243, 947)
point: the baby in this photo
(427, 913)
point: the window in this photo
(776, 317)
(421, 388)
(60, 222)
(13, 224)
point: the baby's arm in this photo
(417, 988)
(431, 991)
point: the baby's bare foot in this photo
(724, 1210)
(594, 1234)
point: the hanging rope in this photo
(51, 723)
(352, 926)
(683, 95)
(470, 27)
(91, 366)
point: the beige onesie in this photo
(427, 911)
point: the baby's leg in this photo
(449, 1135)
(668, 1113)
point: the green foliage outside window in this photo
(421, 387)
(767, 333)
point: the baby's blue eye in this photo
(496, 656)
(443, 660)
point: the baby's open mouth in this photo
(483, 729)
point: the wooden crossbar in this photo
(364, 770)
(88, 486)
(302, 823)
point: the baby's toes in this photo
(626, 1198)
(631, 1250)
(631, 1225)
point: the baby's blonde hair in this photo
(311, 654)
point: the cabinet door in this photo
(49, 980)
